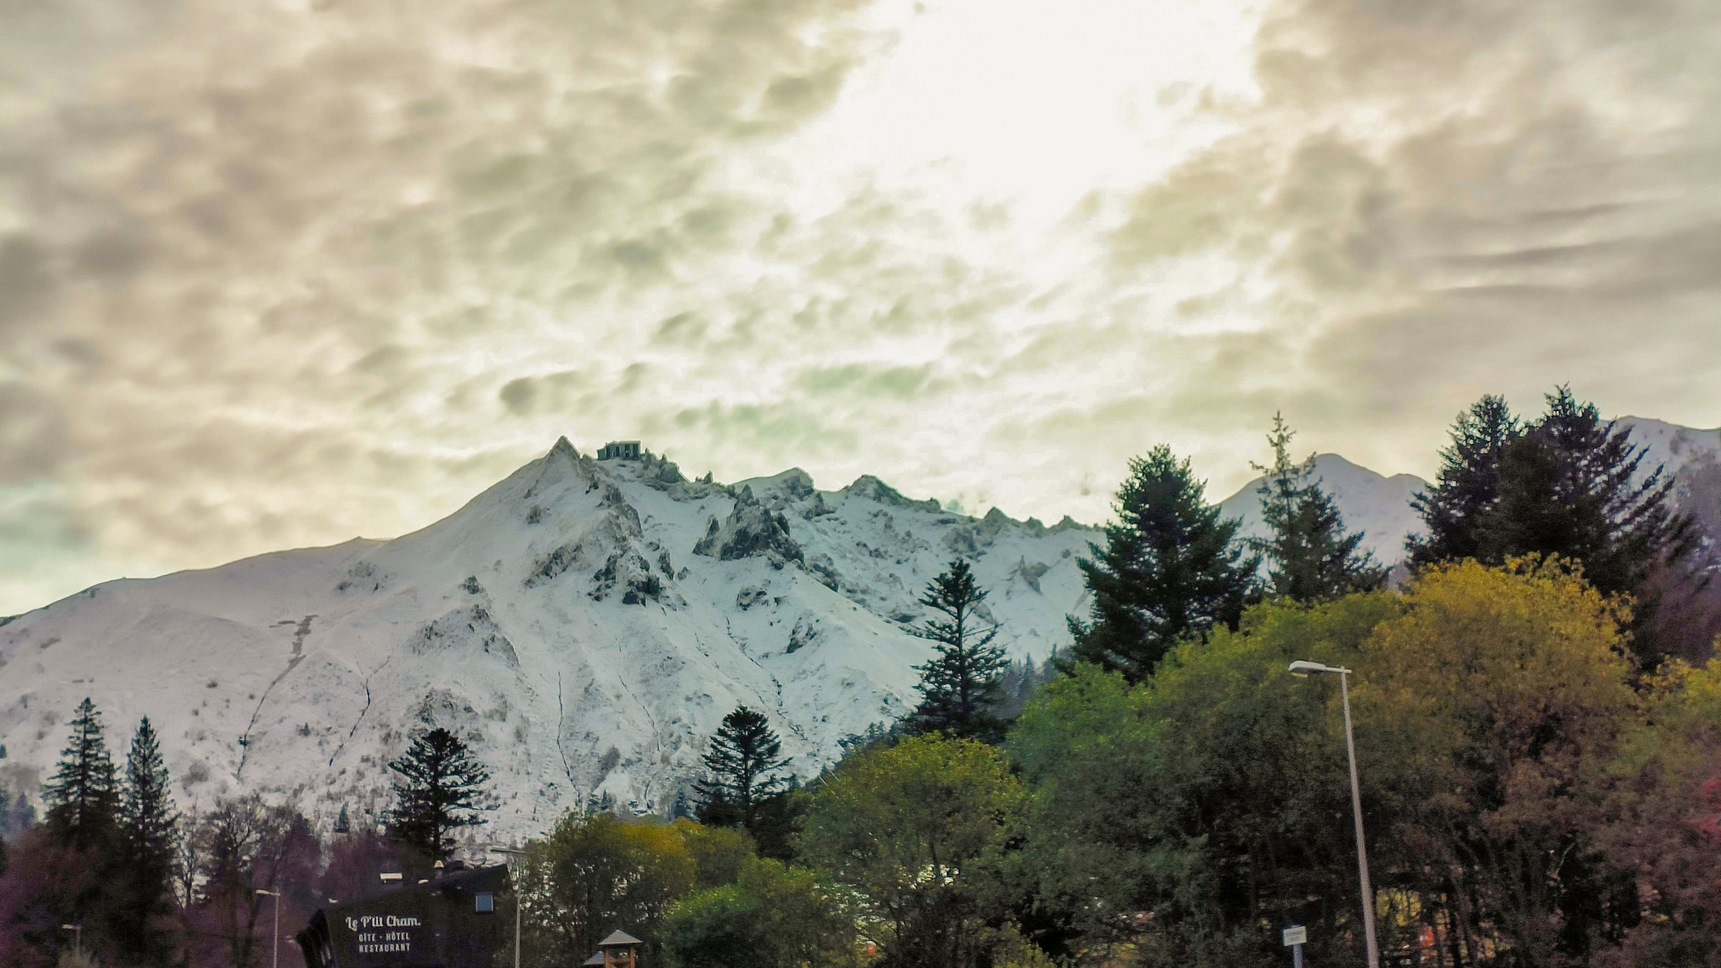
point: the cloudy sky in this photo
(280, 272)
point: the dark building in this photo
(619, 450)
(448, 922)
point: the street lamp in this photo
(516, 879)
(77, 937)
(1302, 668)
(277, 939)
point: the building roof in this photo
(619, 938)
(596, 959)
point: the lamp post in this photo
(276, 945)
(1302, 668)
(77, 937)
(516, 879)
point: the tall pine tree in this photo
(1171, 569)
(1455, 509)
(440, 787)
(959, 686)
(744, 780)
(1310, 557)
(148, 842)
(81, 796)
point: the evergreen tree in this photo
(959, 686)
(1571, 485)
(744, 770)
(1456, 508)
(81, 796)
(148, 842)
(440, 788)
(1310, 557)
(1171, 569)
(1575, 486)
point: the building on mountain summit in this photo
(619, 450)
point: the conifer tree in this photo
(81, 796)
(440, 788)
(744, 770)
(959, 686)
(148, 842)
(1455, 509)
(1575, 486)
(1310, 557)
(1571, 485)
(1171, 568)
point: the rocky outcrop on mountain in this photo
(750, 530)
(466, 628)
(873, 489)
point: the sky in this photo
(276, 273)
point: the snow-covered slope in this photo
(585, 625)
(1693, 459)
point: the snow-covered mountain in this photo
(584, 624)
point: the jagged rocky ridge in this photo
(584, 624)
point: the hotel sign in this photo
(384, 933)
(443, 922)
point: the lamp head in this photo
(1302, 669)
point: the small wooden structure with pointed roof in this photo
(619, 950)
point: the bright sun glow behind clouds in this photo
(1039, 102)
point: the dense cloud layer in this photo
(277, 274)
(1458, 197)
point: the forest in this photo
(1537, 738)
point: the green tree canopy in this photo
(770, 916)
(919, 830)
(1490, 700)
(1170, 569)
(1214, 796)
(593, 875)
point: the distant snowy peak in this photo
(1376, 505)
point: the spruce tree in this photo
(1455, 509)
(1171, 569)
(1575, 486)
(744, 769)
(440, 788)
(148, 842)
(81, 796)
(959, 686)
(1310, 557)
